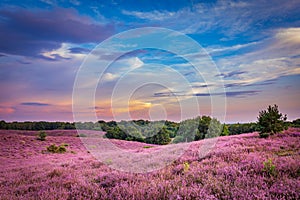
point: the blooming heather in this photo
(233, 169)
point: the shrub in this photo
(269, 167)
(147, 147)
(271, 121)
(56, 149)
(42, 136)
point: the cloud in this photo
(107, 77)
(154, 15)
(34, 104)
(120, 67)
(241, 17)
(45, 30)
(241, 94)
(135, 63)
(79, 50)
(6, 110)
(269, 59)
(167, 94)
(207, 94)
(219, 49)
(231, 74)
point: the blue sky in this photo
(254, 46)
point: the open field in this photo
(239, 167)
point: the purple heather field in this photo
(239, 167)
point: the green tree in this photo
(214, 129)
(162, 137)
(188, 130)
(270, 121)
(225, 130)
(178, 139)
(203, 126)
(296, 123)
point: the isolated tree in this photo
(270, 121)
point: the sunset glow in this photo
(254, 45)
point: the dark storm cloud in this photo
(29, 33)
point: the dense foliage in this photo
(163, 132)
(199, 128)
(271, 121)
(36, 126)
(158, 132)
(236, 129)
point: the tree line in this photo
(165, 132)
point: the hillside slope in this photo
(239, 167)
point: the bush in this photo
(42, 136)
(270, 121)
(56, 149)
(269, 168)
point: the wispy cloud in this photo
(240, 94)
(154, 15)
(34, 104)
(79, 50)
(240, 16)
(269, 59)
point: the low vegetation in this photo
(57, 149)
(238, 167)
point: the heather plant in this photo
(271, 121)
(42, 136)
(186, 166)
(229, 171)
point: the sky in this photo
(78, 60)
